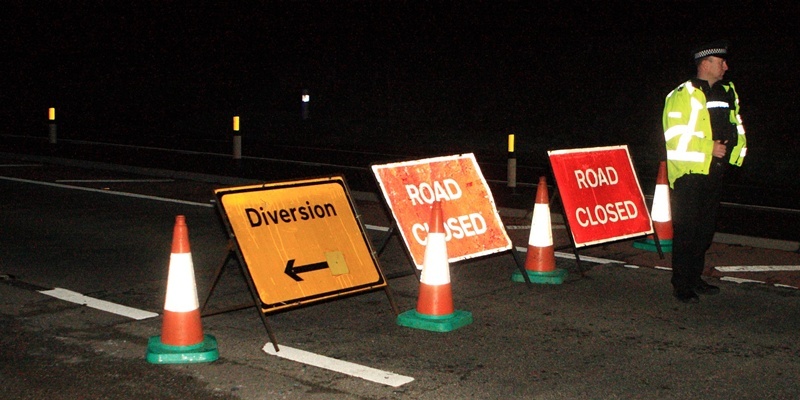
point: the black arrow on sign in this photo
(292, 271)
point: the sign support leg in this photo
(256, 302)
(385, 243)
(391, 232)
(217, 275)
(569, 233)
(521, 266)
(658, 245)
(392, 303)
(271, 334)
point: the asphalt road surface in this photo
(613, 331)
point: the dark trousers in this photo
(694, 203)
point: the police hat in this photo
(717, 49)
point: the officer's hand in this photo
(719, 148)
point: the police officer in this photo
(704, 138)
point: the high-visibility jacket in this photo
(687, 131)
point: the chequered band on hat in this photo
(720, 51)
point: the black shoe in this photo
(686, 295)
(704, 288)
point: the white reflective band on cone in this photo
(661, 209)
(436, 267)
(181, 290)
(541, 234)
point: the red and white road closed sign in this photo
(472, 225)
(601, 194)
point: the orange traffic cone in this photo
(182, 340)
(435, 311)
(540, 263)
(661, 215)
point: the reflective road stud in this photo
(540, 263)
(182, 340)
(435, 310)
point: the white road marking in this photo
(114, 180)
(758, 268)
(597, 260)
(523, 227)
(344, 367)
(102, 305)
(780, 285)
(571, 256)
(739, 280)
(20, 165)
(126, 194)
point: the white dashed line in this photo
(758, 268)
(102, 305)
(125, 194)
(344, 367)
(114, 180)
(739, 280)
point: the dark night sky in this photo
(494, 64)
(173, 39)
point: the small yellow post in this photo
(512, 164)
(237, 139)
(51, 116)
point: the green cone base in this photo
(435, 323)
(160, 353)
(650, 245)
(554, 277)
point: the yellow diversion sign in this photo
(300, 241)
